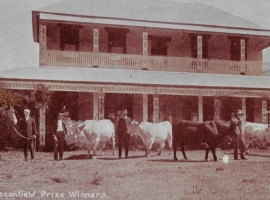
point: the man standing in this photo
(60, 130)
(238, 140)
(123, 136)
(28, 129)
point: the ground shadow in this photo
(116, 158)
(79, 157)
(181, 160)
(251, 154)
(260, 155)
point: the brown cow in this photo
(209, 133)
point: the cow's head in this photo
(133, 128)
(79, 130)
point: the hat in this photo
(27, 110)
(125, 111)
(239, 112)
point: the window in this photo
(236, 48)
(69, 37)
(158, 45)
(117, 40)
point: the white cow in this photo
(152, 133)
(97, 131)
(258, 133)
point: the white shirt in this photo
(59, 126)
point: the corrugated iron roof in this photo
(136, 77)
(152, 11)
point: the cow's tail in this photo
(170, 137)
(113, 141)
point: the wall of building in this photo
(53, 36)
(179, 45)
(135, 42)
(254, 51)
(219, 47)
(86, 39)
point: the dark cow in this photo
(7, 116)
(209, 134)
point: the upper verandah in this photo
(193, 16)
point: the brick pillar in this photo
(200, 108)
(42, 126)
(199, 46)
(95, 40)
(217, 108)
(156, 109)
(145, 48)
(98, 105)
(243, 55)
(244, 108)
(145, 107)
(42, 45)
(264, 111)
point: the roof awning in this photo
(136, 77)
(163, 25)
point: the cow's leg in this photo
(175, 144)
(89, 149)
(147, 144)
(113, 145)
(206, 154)
(102, 148)
(148, 152)
(213, 150)
(183, 151)
(95, 148)
(161, 146)
(170, 145)
(174, 153)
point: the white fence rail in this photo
(154, 63)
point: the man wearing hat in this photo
(123, 136)
(59, 130)
(28, 129)
(238, 139)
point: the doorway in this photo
(115, 103)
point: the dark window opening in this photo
(236, 49)
(69, 36)
(159, 45)
(117, 40)
(194, 46)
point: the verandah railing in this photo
(153, 63)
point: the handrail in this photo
(154, 63)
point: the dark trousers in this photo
(28, 145)
(59, 145)
(239, 142)
(124, 142)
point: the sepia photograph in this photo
(135, 99)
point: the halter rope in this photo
(20, 134)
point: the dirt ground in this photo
(138, 177)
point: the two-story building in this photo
(161, 60)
